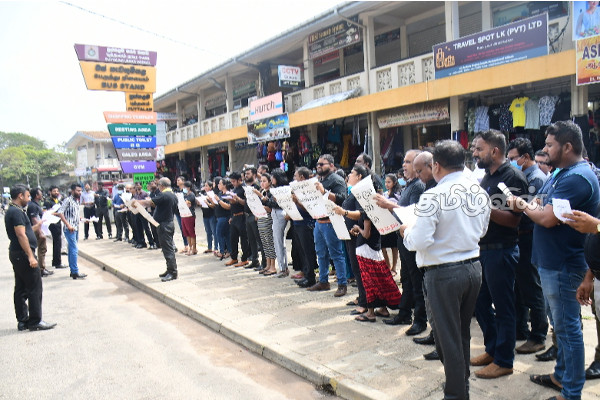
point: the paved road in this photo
(115, 342)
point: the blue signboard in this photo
(272, 128)
(134, 142)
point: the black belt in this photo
(496, 246)
(596, 273)
(451, 264)
(238, 214)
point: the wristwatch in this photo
(598, 229)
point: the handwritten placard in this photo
(254, 203)
(337, 221)
(184, 210)
(283, 197)
(383, 219)
(310, 197)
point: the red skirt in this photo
(188, 226)
(380, 287)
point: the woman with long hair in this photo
(180, 181)
(209, 219)
(278, 178)
(188, 224)
(265, 228)
(390, 241)
(222, 214)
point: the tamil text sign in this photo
(118, 77)
(417, 114)
(89, 52)
(125, 117)
(144, 179)
(266, 107)
(139, 101)
(333, 37)
(518, 41)
(273, 128)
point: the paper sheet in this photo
(184, 210)
(310, 197)
(213, 196)
(254, 203)
(144, 213)
(202, 201)
(383, 219)
(47, 219)
(560, 207)
(502, 186)
(91, 219)
(407, 215)
(337, 221)
(283, 197)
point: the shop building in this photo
(368, 83)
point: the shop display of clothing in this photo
(517, 108)
(471, 120)
(506, 118)
(546, 107)
(482, 119)
(532, 114)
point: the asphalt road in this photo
(114, 342)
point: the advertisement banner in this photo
(273, 128)
(134, 142)
(417, 114)
(118, 77)
(129, 117)
(89, 52)
(289, 76)
(587, 60)
(139, 102)
(266, 107)
(525, 39)
(143, 179)
(333, 37)
(136, 154)
(162, 116)
(132, 129)
(135, 167)
(586, 19)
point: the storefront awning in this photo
(334, 98)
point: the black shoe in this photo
(152, 247)
(169, 277)
(85, 238)
(98, 237)
(78, 276)
(130, 241)
(45, 272)
(163, 274)
(398, 320)
(60, 266)
(416, 328)
(432, 356)
(548, 355)
(253, 265)
(140, 246)
(110, 235)
(22, 326)
(593, 371)
(425, 340)
(305, 283)
(118, 240)
(42, 326)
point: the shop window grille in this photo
(319, 92)
(222, 123)
(213, 125)
(235, 119)
(428, 69)
(406, 74)
(384, 79)
(206, 128)
(353, 83)
(335, 88)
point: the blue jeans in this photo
(559, 287)
(327, 245)
(498, 324)
(72, 238)
(223, 234)
(210, 227)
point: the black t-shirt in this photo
(220, 211)
(192, 199)
(166, 204)
(16, 216)
(237, 208)
(592, 251)
(351, 204)
(34, 211)
(374, 240)
(207, 212)
(517, 183)
(101, 199)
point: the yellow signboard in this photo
(588, 60)
(118, 77)
(139, 101)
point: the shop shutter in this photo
(354, 63)
(421, 42)
(388, 53)
(470, 24)
(245, 155)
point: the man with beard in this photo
(499, 256)
(35, 213)
(251, 225)
(237, 224)
(55, 229)
(101, 201)
(69, 215)
(327, 244)
(88, 198)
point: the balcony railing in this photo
(219, 123)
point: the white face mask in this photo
(185, 190)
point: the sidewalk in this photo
(312, 334)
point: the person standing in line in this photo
(237, 223)
(153, 190)
(166, 204)
(35, 213)
(254, 239)
(55, 229)
(120, 214)
(69, 215)
(189, 223)
(101, 202)
(452, 271)
(210, 221)
(179, 189)
(88, 198)
(21, 252)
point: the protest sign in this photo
(283, 197)
(383, 219)
(254, 203)
(310, 197)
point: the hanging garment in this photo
(356, 131)
(517, 108)
(546, 106)
(532, 114)
(334, 134)
(344, 161)
(482, 119)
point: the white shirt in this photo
(451, 218)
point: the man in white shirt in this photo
(451, 219)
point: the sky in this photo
(42, 91)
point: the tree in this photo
(13, 139)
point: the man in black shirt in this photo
(251, 224)
(35, 212)
(28, 280)
(101, 201)
(499, 257)
(55, 229)
(237, 223)
(166, 204)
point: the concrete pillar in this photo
(179, 112)
(368, 43)
(486, 15)
(375, 141)
(579, 98)
(452, 20)
(403, 41)
(204, 172)
(229, 92)
(201, 109)
(407, 137)
(309, 70)
(231, 152)
(457, 113)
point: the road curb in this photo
(317, 374)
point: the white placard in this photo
(560, 207)
(202, 201)
(283, 197)
(407, 215)
(184, 210)
(49, 218)
(254, 203)
(337, 221)
(383, 219)
(213, 196)
(144, 213)
(310, 197)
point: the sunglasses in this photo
(322, 163)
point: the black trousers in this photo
(155, 234)
(138, 230)
(167, 245)
(102, 213)
(254, 240)
(129, 215)
(28, 288)
(87, 213)
(308, 256)
(237, 232)
(142, 227)
(122, 224)
(412, 285)
(56, 231)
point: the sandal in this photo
(184, 250)
(356, 312)
(208, 251)
(545, 380)
(352, 303)
(364, 318)
(379, 314)
(269, 273)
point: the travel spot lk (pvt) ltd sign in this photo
(118, 77)
(134, 142)
(129, 117)
(136, 167)
(132, 129)
(90, 52)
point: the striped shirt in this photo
(70, 209)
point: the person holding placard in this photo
(265, 228)
(179, 189)
(254, 238)
(189, 223)
(120, 215)
(237, 224)
(390, 241)
(34, 212)
(210, 221)
(278, 178)
(222, 213)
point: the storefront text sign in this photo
(132, 129)
(118, 77)
(527, 38)
(417, 114)
(273, 128)
(139, 101)
(289, 76)
(134, 142)
(333, 37)
(136, 167)
(588, 60)
(118, 55)
(266, 107)
(129, 117)
(136, 154)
